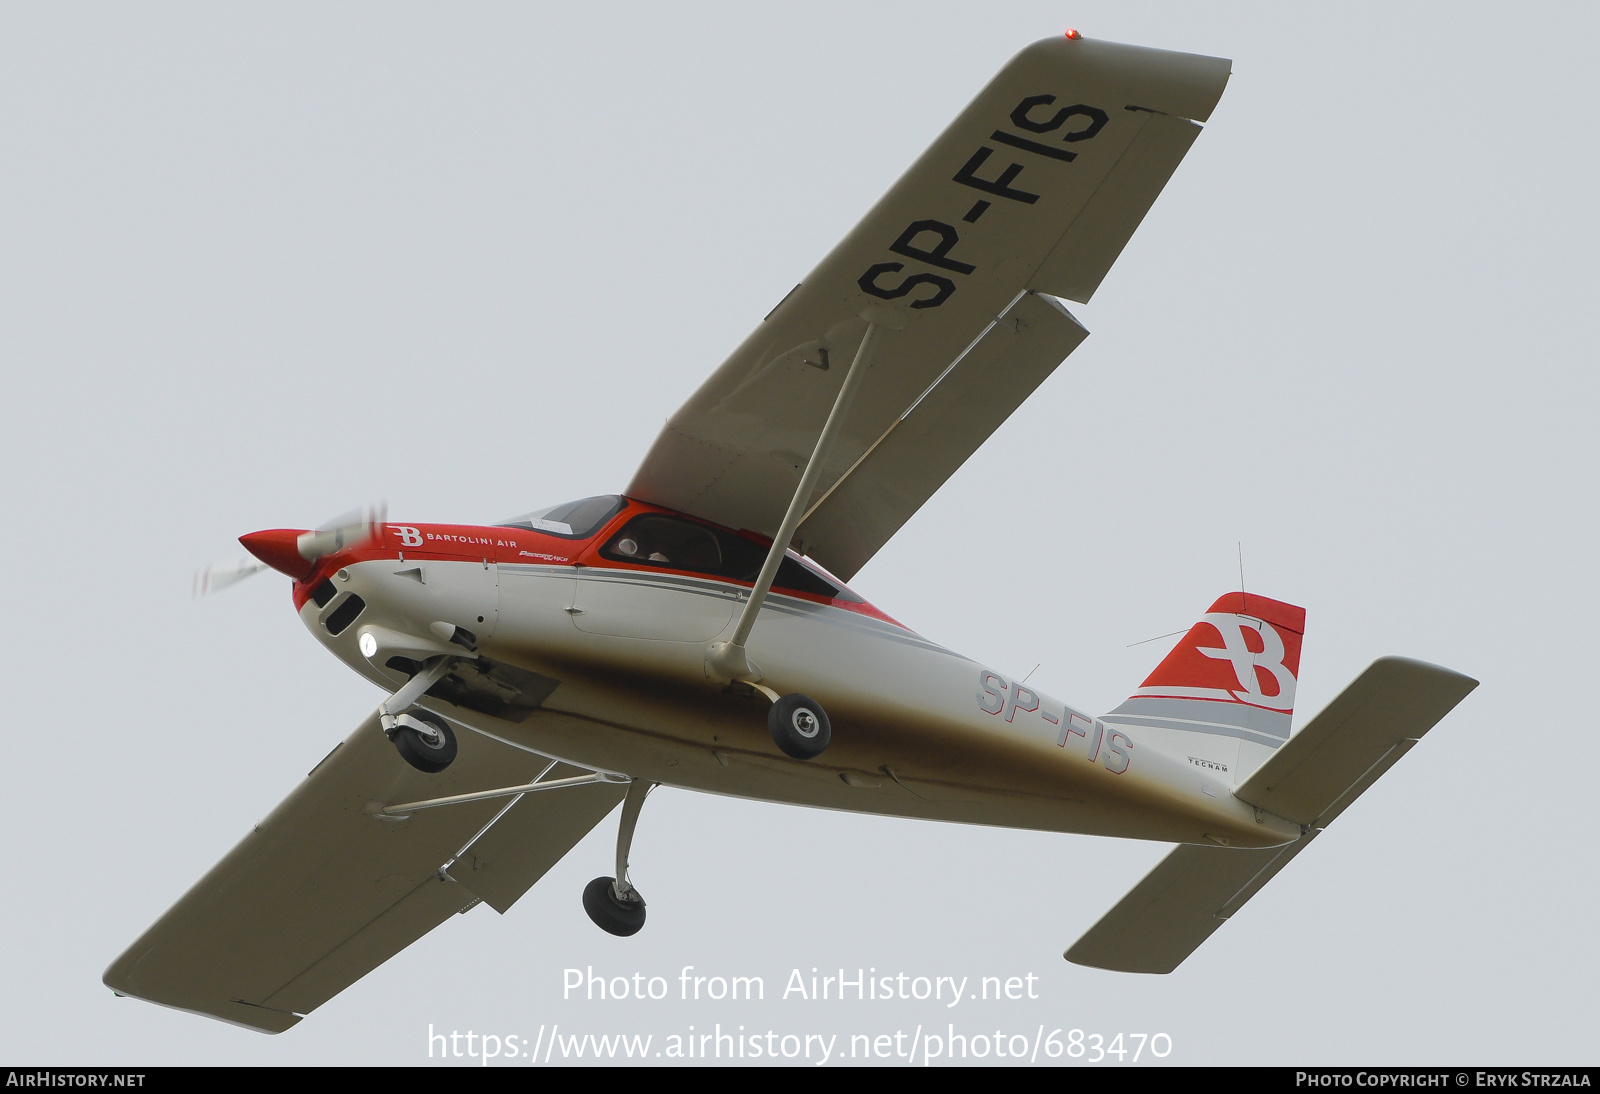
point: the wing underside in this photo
(322, 891)
(1031, 193)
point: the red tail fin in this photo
(1234, 673)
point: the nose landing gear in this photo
(430, 747)
(614, 904)
(423, 739)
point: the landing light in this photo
(369, 644)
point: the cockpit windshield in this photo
(570, 520)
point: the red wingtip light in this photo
(1074, 35)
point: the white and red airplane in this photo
(697, 630)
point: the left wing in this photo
(1034, 189)
(322, 892)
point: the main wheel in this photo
(799, 726)
(618, 917)
(426, 752)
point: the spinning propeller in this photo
(291, 551)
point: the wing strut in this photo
(727, 661)
(405, 809)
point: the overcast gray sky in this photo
(264, 263)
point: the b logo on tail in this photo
(1255, 664)
(1242, 688)
(1246, 662)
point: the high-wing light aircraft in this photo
(697, 630)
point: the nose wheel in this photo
(425, 741)
(799, 726)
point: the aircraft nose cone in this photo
(277, 547)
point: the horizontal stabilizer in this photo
(1310, 780)
(1356, 738)
(1188, 895)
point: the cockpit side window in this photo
(656, 539)
(572, 520)
(666, 541)
(792, 575)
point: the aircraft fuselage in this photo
(602, 663)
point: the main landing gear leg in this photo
(613, 903)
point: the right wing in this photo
(1310, 780)
(1034, 189)
(322, 892)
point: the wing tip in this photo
(1187, 84)
(1416, 666)
(1079, 954)
(235, 1012)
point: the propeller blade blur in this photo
(350, 529)
(220, 575)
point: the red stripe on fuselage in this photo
(476, 543)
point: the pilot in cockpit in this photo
(631, 547)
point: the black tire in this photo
(618, 917)
(799, 726)
(425, 755)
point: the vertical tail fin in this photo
(1224, 696)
